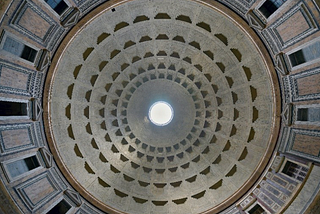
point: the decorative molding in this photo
(56, 174)
(231, 210)
(239, 6)
(247, 202)
(277, 163)
(36, 109)
(287, 114)
(287, 89)
(40, 133)
(86, 6)
(317, 4)
(73, 196)
(55, 41)
(269, 39)
(255, 21)
(42, 60)
(46, 156)
(281, 64)
(70, 17)
(87, 209)
(283, 138)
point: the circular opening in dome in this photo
(161, 113)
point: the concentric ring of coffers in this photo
(182, 51)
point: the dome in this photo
(216, 80)
(159, 107)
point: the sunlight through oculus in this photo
(161, 113)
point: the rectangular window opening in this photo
(270, 6)
(295, 171)
(28, 54)
(19, 49)
(257, 209)
(61, 208)
(305, 54)
(311, 114)
(302, 114)
(20, 167)
(13, 108)
(59, 6)
(297, 58)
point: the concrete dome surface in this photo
(215, 78)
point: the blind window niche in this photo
(19, 49)
(22, 166)
(59, 6)
(305, 54)
(270, 6)
(61, 208)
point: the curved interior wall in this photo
(36, 26)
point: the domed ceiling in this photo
(207, 65)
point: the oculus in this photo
(161, 113)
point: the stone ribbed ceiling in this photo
(182, 52)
